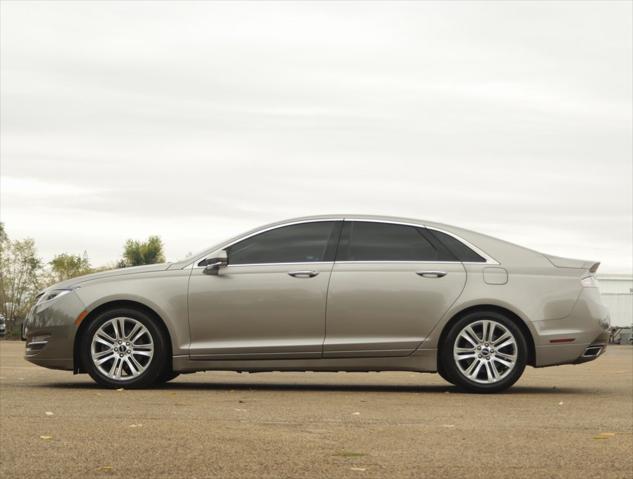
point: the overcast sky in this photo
(196, 121)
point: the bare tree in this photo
(20, 277)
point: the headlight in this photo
(54, 294)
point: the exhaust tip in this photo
(592, 352)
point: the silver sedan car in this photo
(328, 293)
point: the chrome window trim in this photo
(489, 259)
(278, 264)
(194, 265)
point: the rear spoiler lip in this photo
(560, 262)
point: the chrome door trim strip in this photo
(489, 259)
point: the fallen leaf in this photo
(48, 413)
(136, 425)
(356, 413)
(560, 403)
(120, 389)
(104, 469)
(350, 454)
(240, 410)
(358, 469)
(604, 435)
(46, 438)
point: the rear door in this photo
(390, 285)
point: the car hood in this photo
(73, 282)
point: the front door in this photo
(390, 285)
(269, 301)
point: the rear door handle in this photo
(303, 274)
(431, 274)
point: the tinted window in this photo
(301, 243)
(459, 249)
(369, 241)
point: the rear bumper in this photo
(585, 328)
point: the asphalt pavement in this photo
(567, 421)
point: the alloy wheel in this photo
(485, 351)
(122, 348)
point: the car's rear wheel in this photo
(484, 352)
(124, 348)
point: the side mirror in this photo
(212, 265)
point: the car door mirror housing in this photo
(212, 265)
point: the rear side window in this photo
(372, 241)
(459, 249)
(301, 243)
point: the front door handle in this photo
(431, 274)
(303, 274)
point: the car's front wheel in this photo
(124, 348)
(484, 352)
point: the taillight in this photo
(589, 282)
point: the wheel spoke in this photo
(117, 325)
(106, 359)
(502, 338)
(505, 344)
(468, 338)
(136, 363)
(473, 335)
(138, 335)
(484, 330)
(135, 329)
(493, 374)
(475, 373)
(142, 353)
(507, 364)
(507, 357)
(100, 354)
(114, 366)
(491, 332)
(104, 342)
(465, 353)
(131, 367)
(106, 336)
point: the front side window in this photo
(300, 243)
(372, 241)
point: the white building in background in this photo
(617, 294)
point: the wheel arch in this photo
(121, 303)
(497, 309)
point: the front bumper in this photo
(49, 331)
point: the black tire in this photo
(442, 372)
(449, 365)
(167, 376)
(153, 369)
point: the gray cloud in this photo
(196, 120)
